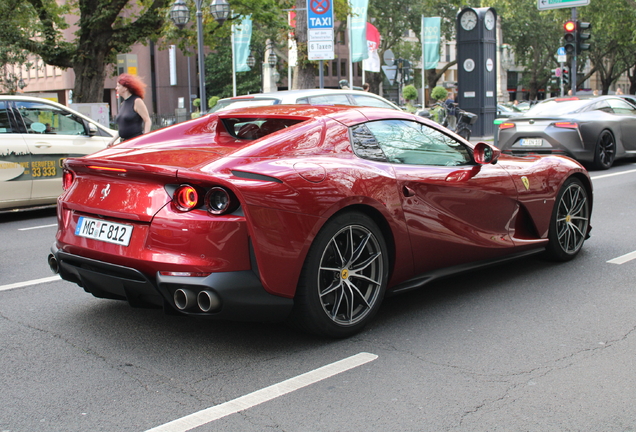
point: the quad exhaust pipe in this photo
(55, 268)
(207, 301)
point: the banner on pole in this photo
(358, 33)
(372, 64)
(431, 37)
(242, 38)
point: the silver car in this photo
(593, 130)
(36, 135)
(306, 96)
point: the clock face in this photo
(489, 20)
(468, 21)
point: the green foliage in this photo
(439, 93)
(218, 71)
(212, 101)
(196, 103)
(409, 92)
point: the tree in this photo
(105, 28)
(612, 42)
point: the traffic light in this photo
(565, 76)
(581, 27)
(569, 37)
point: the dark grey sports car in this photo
(593, 130)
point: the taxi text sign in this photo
(558, 4)
(320, 44)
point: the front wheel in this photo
(570, 221)
(605, 151)
(344, 277)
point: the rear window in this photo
(255, 128)
(557, 108)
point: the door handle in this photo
(42, 145)
(407, 191)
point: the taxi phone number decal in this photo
(31, 167)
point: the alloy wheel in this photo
(350, 275)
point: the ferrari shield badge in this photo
(525, 182)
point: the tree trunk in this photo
(89, 81)
(305, 72)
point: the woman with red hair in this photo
(133, 118)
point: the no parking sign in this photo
(320, 30)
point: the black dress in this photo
(130, 123)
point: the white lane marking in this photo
(612, 175)
(260, 396)
(623, 259)
(37, 227)
(29, 283)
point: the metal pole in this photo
(350, 52)
(423, 67)
(202, 95)
(233, 64)
(573, 68)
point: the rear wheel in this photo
(344, 277)
(605, 150)
(570, 221)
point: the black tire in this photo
(344, 277)
(605, 151)
(570, 221)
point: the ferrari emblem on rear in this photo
(525, 182)
(106, 191)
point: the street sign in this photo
(389, 58)
(320, 44)
(390, 72)
(559, 4)
(319, 14)
(561, 56)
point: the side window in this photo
(365, 145)
(412, 143)
(5, 124)
(46, 119)
(600, 106)
(621, 107)
(370, 101)
(330, 100)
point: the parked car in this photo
(306, 96)
(507, 111)
(36, 136)
(309, 214)
(594, 130)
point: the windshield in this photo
(241, 103)
(552, 107)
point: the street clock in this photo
(476, 72)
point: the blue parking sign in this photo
(319, 14)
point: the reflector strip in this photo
(569, 125)
(101, 168)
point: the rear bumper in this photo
(240, 293)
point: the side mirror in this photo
(92, 129)
(485, 154)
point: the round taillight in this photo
(218, 201)
(67, 179)
(186, 198)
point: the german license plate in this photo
(101, 230)
(531, 142)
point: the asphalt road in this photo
(527, 346)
